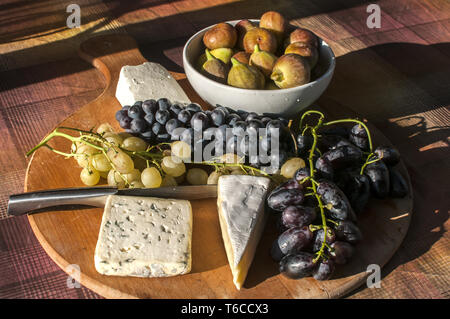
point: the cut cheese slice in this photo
(242, 217)
(148, 81)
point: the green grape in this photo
(113, 138)
(124, 135)
(136, 184)
(213, 178)
(89, 176)
(197, 176)
(133, 176)
(100, 163)
(172, 166)
(134, 143)
(181, 149)
(122, 162)
(151, 177)
(104, 128)
(114, 179)
(84, 152)
(291, 166)
(169, 181)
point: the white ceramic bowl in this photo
(285, 102)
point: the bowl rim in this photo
(326, 74)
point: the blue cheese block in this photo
(144, 237)
(148, 81)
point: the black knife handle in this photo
(20, 204)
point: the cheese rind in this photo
(241, 202)
(144, 237)
(148, 81)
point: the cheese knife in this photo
(40, 201)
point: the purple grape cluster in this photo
(158, 121)
(344, 192)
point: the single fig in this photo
(242, 27)
(245, 76)
(263, 60)
(274, 22)
(291, 70)
(222, 35)
(302, 35)
(264, 38)
(305, 50)
(214, 68)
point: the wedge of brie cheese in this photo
(144, 237)
(241, 202)
(148, 81)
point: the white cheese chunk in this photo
(148, 81)
(144, 237)
(241, 202)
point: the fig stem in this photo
(256, 49)
(235, 62)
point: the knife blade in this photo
(40, 201)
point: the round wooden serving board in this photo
(69, 237)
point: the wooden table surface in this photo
(397, 76)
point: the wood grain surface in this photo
(69, 237)
(397, 76)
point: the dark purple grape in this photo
(138, 125)
(319, 236)
(301, 175)
(341, 252)
(218, 117)
(232, 145)
(304, 144)
(324, 270)
(378, 175)
(135, 111)
(327, 142)
(339, 206)
(289, 184)
(221, 132)
(224, 109)
(398, 185)
(162, 116)
(187, 136)
(294, 240)
(355, 186)
(274, 124)
(388, 155)
(171, 125)
(253, 126)
(297, 266)
(200, 121)
(283, 121)
(175, 109)
(194, 107)
(343, 156)
(149, 118)
(278, 159)
(280, 199)
(239, 128)
(243, 114)
(149, 106)
(161, 138)
(232, 118)
(147, 135)
(348, 231)
(184, 116)
(251, 116)
(125, 123)
(126, 107)
(163, 105)
(265, 120)
(358, 136)
(297, 216)
(120, 114)
(157, 128)
(264, 143)
(324, 168)
(275, 251)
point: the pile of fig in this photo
(269, 55)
